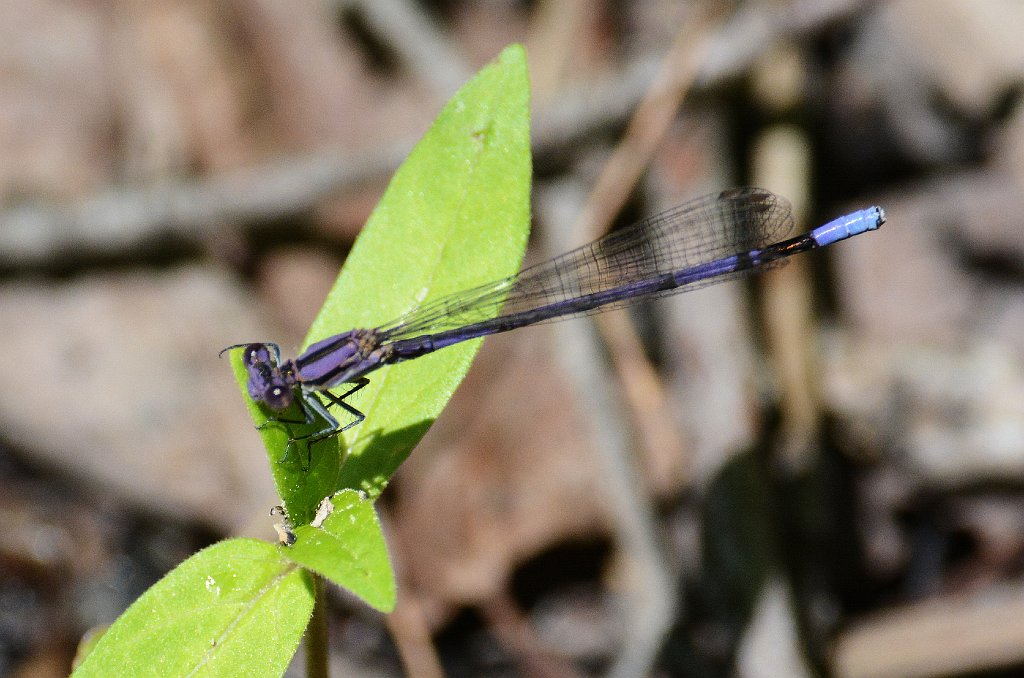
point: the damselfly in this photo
(699, 243)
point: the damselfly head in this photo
(269, 383)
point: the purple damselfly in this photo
(702, 242)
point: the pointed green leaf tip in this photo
(455, 215)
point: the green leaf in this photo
(455, 215)
(235, 608)
(348, 548)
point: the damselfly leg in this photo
(312, 407)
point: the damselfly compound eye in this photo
(277, 397)
(257, 354)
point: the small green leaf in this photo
(455, 215)
(348, 548)
(235, 608)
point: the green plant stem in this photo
(316, 633)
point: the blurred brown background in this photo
(815, 472)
